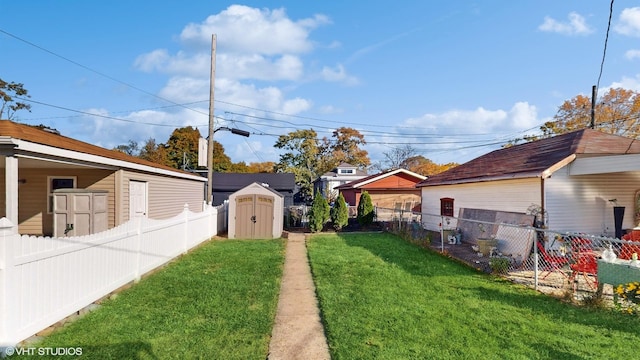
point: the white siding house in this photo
(342, 174)
(571, 177)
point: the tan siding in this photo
(166, 196)
(33, 216)
(388, 199)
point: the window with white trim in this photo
(58, 182)
(346, 171)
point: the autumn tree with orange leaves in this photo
(617, 112)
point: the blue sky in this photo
(451, 79)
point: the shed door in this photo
(72, 214)
(264, 217)
(137, 199)
(254, 217)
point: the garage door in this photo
(254, 216)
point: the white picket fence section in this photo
(44, 280)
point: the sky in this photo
(451, 79)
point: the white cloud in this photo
(338, 74)
(330, 109)
(632, 54)
(259, 67)
(184, 89)
(629, 83)
(244, 29)
(576, 25)
(478, 131)
(259, 45)
(629, 23)
(296, 106)
(134, 126)
(152, 61)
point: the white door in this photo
(137, 199)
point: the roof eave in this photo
(35, 148)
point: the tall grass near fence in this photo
(382, 297)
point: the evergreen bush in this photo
(319, 213)
(365, 210)
(339, 213)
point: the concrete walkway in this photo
(298, 332)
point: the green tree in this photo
(307, 157)
(365, 209)
(319, 213)
(182, 148)
(343, 147)
(130, 149)
(339, 213)
(9, 105)
(221, 161)
(300, 158)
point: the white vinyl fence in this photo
(44, 280)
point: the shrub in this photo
(365, 210)
(319, 213)
(499, 265)
(339, 213)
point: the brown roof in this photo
(533, 158)
(38, 136)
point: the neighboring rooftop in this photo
(53, 139)
(532, 159)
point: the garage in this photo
(256, 212)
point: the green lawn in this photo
(218, 302)
(383, 298)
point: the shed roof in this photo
(253, 187)
(535, 159)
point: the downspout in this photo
(542, 204)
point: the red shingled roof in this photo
(533, 158)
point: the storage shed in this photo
(256, 212)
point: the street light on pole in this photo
(209, 196)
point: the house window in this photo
(346, 171)
(446, 207)
(58, 182)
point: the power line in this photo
(98, 72)
(328, 129)
(604, 52)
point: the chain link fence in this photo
(547, 260)
(550, 261)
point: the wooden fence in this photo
(44, 280)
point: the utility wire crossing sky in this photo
(453, 80)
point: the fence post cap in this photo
(7, 227)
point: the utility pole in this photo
(209, 197)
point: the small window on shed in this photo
(446, 207)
